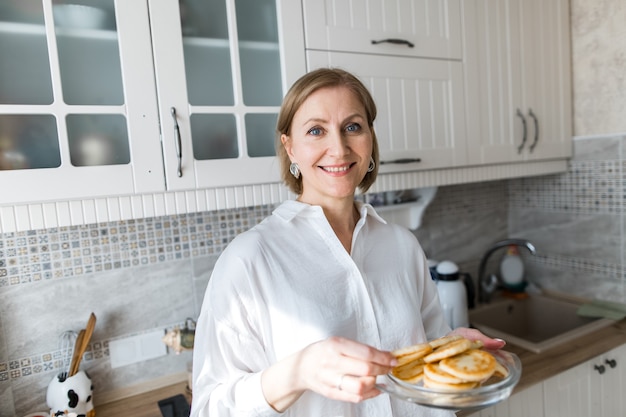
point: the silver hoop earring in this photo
(295, 170)
(372, 165)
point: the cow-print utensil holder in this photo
(71, 397)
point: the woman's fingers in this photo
(356, 388)
(362, 353)
(475, 334)
(343, 369)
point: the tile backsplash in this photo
(136, 275)
(63, 252)
(147, 274)
(576, 220)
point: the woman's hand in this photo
(475, 334)
(343, 369)
(336, 368)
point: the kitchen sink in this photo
(535, 323)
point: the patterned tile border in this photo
(588, 187)
(36, 255)
(58, 361)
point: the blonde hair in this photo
(298, 93)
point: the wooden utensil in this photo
(82, 342)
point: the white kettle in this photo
(452, 294)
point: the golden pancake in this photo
(477, 344)
(409, 370)
(434, 372)
(501, 370)
(411, 353)
(443, 340)
(472, 365)
(449, 363)
(447, 350)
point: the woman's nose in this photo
(338, 145)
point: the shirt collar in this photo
(290, 209)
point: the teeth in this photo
(335, 169)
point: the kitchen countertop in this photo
(536, 367)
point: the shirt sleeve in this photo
(433, 319)
(228, 357)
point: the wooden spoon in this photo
(75, 354)
(82, 342)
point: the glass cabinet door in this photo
(62, 101)
(225, 93)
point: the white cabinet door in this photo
(518, 73)
(221, 70)
(593, 388)
(526, 403)
(576, 392)
(609, 399)
(421, 28)
(420, 123)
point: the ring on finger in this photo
(341, 377)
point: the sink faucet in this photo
(487, 287)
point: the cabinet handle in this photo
(531, 114)
(521, 116)
(611, 362)
(394, 41)
(401, 161)
(178, 142)
(599, 368)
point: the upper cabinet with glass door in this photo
(67, 102)
(220, 78)
(115, 97)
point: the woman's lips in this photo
(335, 169)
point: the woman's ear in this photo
(286, 141)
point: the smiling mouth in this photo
(337, 169)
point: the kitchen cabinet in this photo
(526, 403)
(420, 118)
(133, 97)
(517, 80)
(416, 79)
(592, 388)
(494, 58)
(417, 28)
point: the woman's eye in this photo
(353, 127)
(315, 131)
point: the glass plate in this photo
(483, 396)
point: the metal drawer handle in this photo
(394, 41)
(611, 362)
(521, 116)
(401, 161)
(599, 368)
(178, 143)
(531, 114)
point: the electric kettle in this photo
(454, 293)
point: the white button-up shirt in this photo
(288, 282)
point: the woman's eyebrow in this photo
(321, 120)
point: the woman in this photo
(302, 310)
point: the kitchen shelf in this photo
(407, 214)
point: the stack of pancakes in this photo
(450, 363)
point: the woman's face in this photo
(332, 144)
